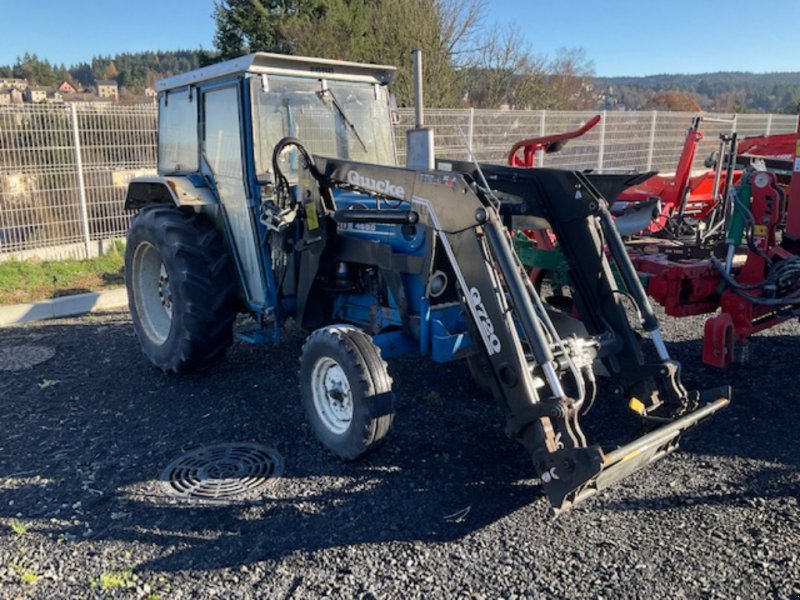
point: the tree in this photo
(570, 79)
(82, 73)
(401, 26)
(376, 31)
(36, 71)
(336, 29)
(673, 101)
(111, 71)
(254, 25)
(505, 72)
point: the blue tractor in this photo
(279, 195)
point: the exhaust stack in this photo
(419, 141)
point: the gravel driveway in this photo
(446, 508)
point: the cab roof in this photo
(263, 63)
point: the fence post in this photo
(470, 132)
(769, 124)
(540, 153)
(76, 139)
(653, 120)
(602, 149)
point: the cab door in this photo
(223, 152)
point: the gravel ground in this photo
(86, 433)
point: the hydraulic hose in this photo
(793, 266)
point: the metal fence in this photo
(642, 140)
(64, 169)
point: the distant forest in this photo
(132, 71)
(719, 92)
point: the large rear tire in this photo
(181, 288)
(346, 390)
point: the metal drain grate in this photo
(222, 473)
(19, 358)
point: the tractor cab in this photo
(219, 124)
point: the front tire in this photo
(346, 390)
(181, 289)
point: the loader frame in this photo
(528, 360)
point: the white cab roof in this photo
(282, 64)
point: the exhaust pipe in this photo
(420, 154)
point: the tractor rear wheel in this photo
(346, 390)
(181, 288)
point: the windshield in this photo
(348, 120)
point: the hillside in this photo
(722, 91)
(133, 71)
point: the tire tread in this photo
(203, 274)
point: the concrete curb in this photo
(67, 306)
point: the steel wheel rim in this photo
(333, 398)
(152, 293)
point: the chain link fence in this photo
(64, 169)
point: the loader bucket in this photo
(594, 470)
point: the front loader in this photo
(297, 211)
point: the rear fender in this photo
(176, 190)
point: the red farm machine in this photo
(727, 239)
(655, 203)
(750, 271)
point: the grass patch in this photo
(29, 577)
(32, 280)
(113, 580)
(25, 576)
(18, 527)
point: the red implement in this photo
(701, 192)
(548, 143)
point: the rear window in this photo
(177, 132)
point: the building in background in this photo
(10, 83)
(107, 88)
(10, 96)
(68, 88)
(35, 95)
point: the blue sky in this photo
(621, 37)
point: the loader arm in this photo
(527, 359)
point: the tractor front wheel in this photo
(181, 288)
(346, 390)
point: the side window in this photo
(223, 148)
(177, 132)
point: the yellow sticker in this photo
(636, 406)
(760, 230)
(630, 455)
(797, 148)
(311, 215)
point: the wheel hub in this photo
(152, 293)
(164, 291)
(333, 398)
